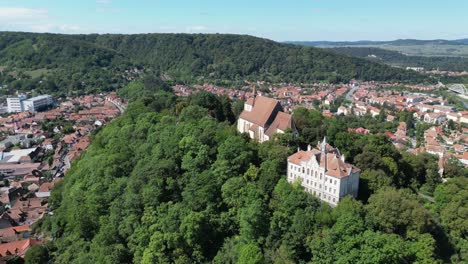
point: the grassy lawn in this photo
(37, 73)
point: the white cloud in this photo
(32, 20)
(20, 15)
(70, 29)
(196, 29)
(25, 19)
(104, 2)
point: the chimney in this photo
(343, 158)
(309, 147)
(298, 149)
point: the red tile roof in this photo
(18, 248)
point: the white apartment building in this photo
(21, 104)
(324, 173)
(37, 103)
(14, 105)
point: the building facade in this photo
(14, 104)
(263, 117)
(324, 173)
(37, 103)
(21, 104)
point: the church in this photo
(263, 117)
(323, 172)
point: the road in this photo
(427, 197)
(350, 93)
(121, 109)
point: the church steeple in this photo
(254, 94)
(324, 152)
(324, 145)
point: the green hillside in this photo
(58, 64)
(97, 62)
(171, 181)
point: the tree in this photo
(396, 211)
(37, 254)
(250, 254)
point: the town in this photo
(40, 138)
(445, 125)
(36, 150)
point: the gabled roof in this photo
(18, 248)
(334, 165)
(282, 122)
(262, 110)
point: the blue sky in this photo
(273, 19)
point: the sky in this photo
(280, 20)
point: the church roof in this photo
(262, 110)
(282, 122)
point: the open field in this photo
(427, 50)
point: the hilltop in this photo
(86, 63)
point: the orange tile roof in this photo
(282, 122)
(334, 165)
(262, 110)
(18, 248)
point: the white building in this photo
(37, 103)
(324, 173)
(262, 118)
(14, 104)
(21, 104)
(434, 118)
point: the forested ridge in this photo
(171, 181)
(398, 59)
(64, 64)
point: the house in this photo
(343, 110)
(359, 130)
(18, 170)
(14, 233)
(464, 117)
(263, 117)
(435, 150)
(17, 248)
(453, 116)
(463, 158)
(434, 118)
(374, 111)
(324, 173)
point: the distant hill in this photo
(413, 47)
(401, 42)
(395, 58)
(97, 62)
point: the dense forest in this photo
(58, 64)
(64, 64)
(396, 58)
(171, 181)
